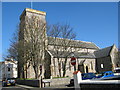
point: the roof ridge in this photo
(77, 43)
(70, 39)
(105, 47)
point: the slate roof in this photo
(103, 52)
(97, 54)
(62, 54)
(74, 43)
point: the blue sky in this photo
(95, 22)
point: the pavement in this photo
(60, 87)
(25, 87)
(65, 87)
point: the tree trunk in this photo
(64, 67)
(35, 72)
(59, 67)
(36, 75)
(23, 73)
(26, 71)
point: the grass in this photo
(35, 79)
(60, 77)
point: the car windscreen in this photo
(117, 71)
(10, 78)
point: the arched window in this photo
(86, 69)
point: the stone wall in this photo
(59, 81)
(37, 83)
(34, 83)
(55, 67)
(114, 57)
(90, 63)
(104, 62)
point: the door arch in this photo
(86, 69)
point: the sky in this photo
(95, 22)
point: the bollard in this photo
(77, 79)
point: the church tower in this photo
(30, 14)
(32, 34)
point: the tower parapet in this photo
(27, 11)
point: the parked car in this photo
(8, 81)
(85, 76)
(105, 75)
(88, 76)
(117, 71)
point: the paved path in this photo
(24, 87)
(60, 87)
(11, 87)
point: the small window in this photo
(102, 66)
(8, 69)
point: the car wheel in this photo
(3, 85)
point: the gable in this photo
(103, 52)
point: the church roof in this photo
(103, 52)
(63, 54)
(84, 55)
(71, 43)
(97, 54)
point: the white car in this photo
(117, 71)
(8, 81)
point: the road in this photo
(18, 87)
(11, 87)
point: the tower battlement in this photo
(32, 11)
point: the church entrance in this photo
(86, 69)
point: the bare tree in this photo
(34, 39)
(28, 45)
(13, 50)
(63, 36)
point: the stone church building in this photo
(89, 57)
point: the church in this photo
(57, 63)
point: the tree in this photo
(28, 45)
(13, 50)
(64, 35)
(34, 42)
